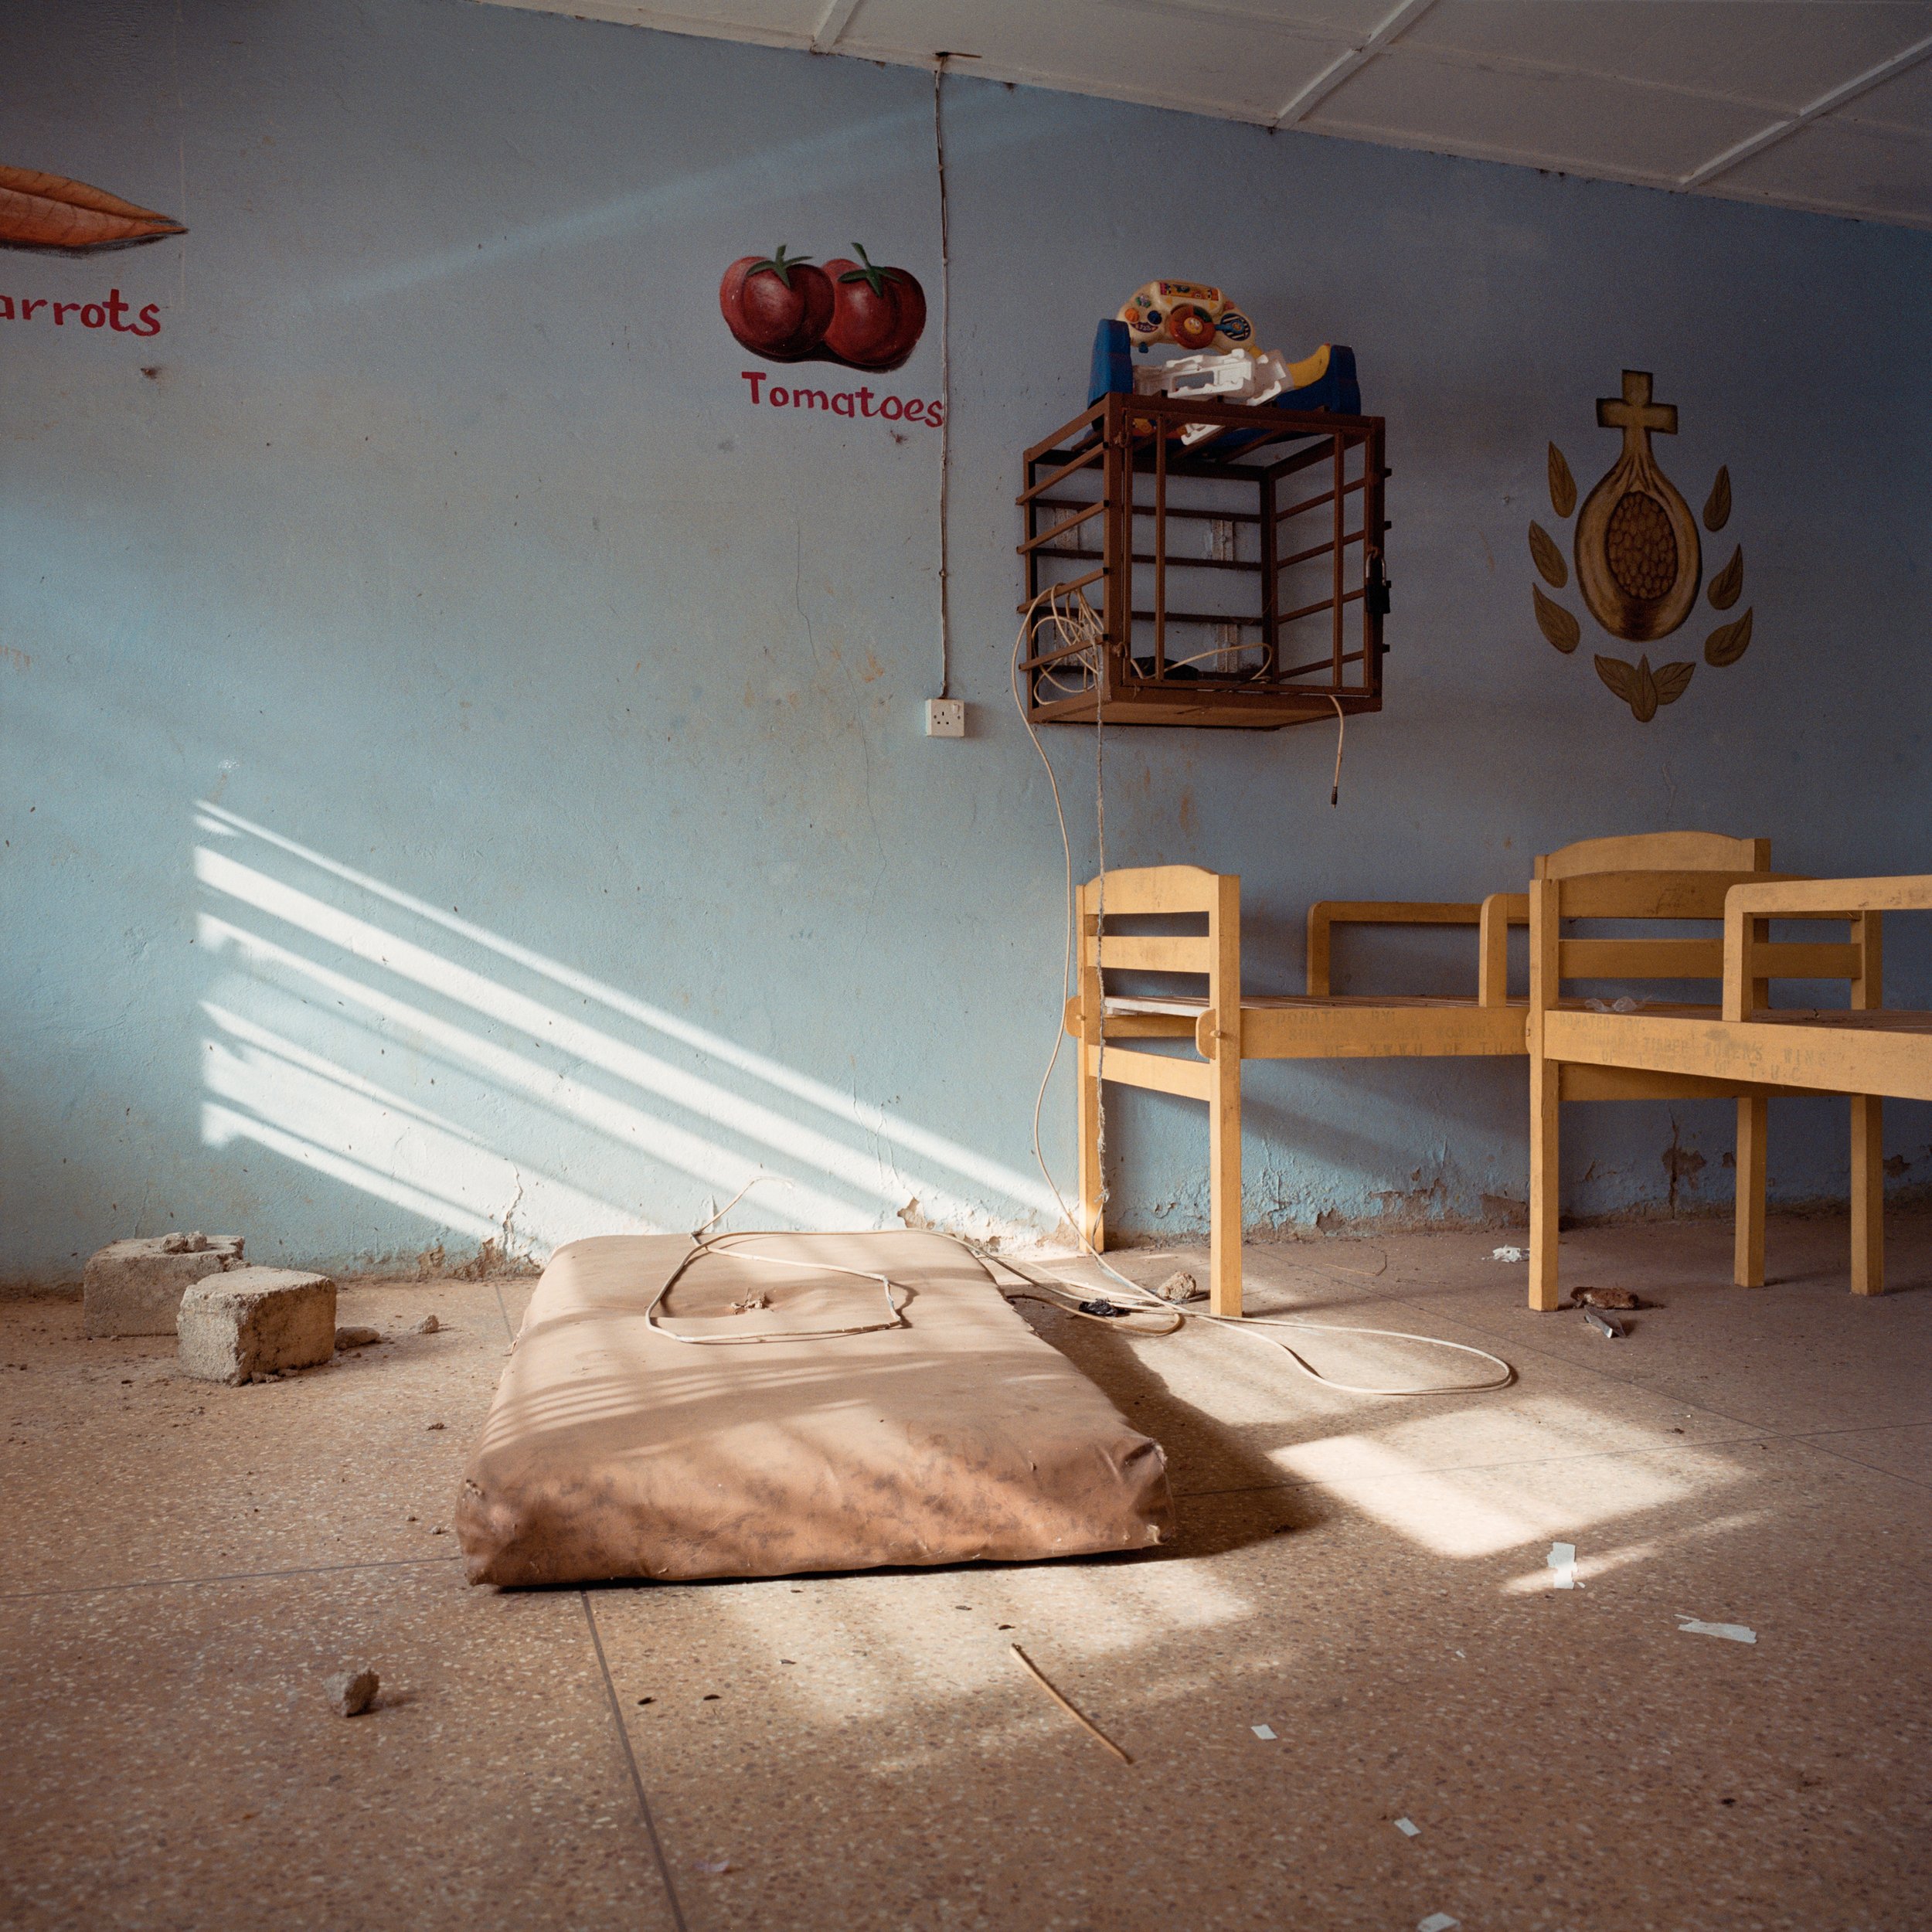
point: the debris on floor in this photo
(1562, 1560)
(1265, 1732)
(713, 1866)
(1696, 1627)
(248, 1324)
(1408, 1827)
(428, 1325)
(1078, 1717)
(356, 1337)
(352, 1692)
(1608, 1298)
(435, 1425)
(1437, 1922)
(1509, 1254)
(135, 1286)
(1607, 1326)
(1180, 1285)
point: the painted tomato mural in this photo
(858, 313)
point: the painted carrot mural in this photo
(49, 211)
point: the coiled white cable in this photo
(1082, 623)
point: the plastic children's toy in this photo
(1190, 316)
(1325, 380)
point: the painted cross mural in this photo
(1639, 561)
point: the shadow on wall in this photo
(359, 1032)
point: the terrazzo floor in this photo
(1365, 1577)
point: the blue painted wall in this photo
(463, 774)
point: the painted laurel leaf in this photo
(1621, 677)
(1562, 485)
(1728, 585)
(1548, 558)
(1672, 679)
(1729, 642)
(1555, 622)
(1717, 508)
(1643, 707)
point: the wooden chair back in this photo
(1172, 894)
(1666, 875)
(1658, 876)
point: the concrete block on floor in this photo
(250, 1323)
(134, 1287)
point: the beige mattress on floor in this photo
(611, 1451)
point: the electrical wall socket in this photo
(945, 717)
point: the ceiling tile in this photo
(1248, 68)
(1784, 53)
(1578, 123)
(1844, 166)
(1338, 20)
(786, 22)
(1903, 101)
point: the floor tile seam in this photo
(1481, 1468)
(228, 1577)
(630, 1755)
(1858, 1462)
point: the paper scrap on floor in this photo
(1696, 1627)
(1562, 1560)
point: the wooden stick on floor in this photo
(1085, 1722)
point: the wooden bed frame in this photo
(1225, 1026)
(1746, 1047)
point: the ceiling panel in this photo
(784, 23)
(1341, 21)
(1232, 64)
(1842, 166)
(1577, 122)
(1714, 97)
(1903, 101)
(1784, 53)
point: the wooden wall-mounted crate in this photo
(1239, 578)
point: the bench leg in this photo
(1224, 1186)
(1753, 1118)
(1093, 1227)
(1544, 1209)
(1868, 1194)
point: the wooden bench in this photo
(1747, 1046)
(1742, 1048)
(1223, 1026)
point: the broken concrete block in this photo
(428, 1325)
(357, 1337)
(134, 1287)
(352, 1693)
(251, 1323)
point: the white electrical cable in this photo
(945, 386)
(1085, 625)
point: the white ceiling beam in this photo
(1825, 103)
(832, 24)
(1392, 28)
